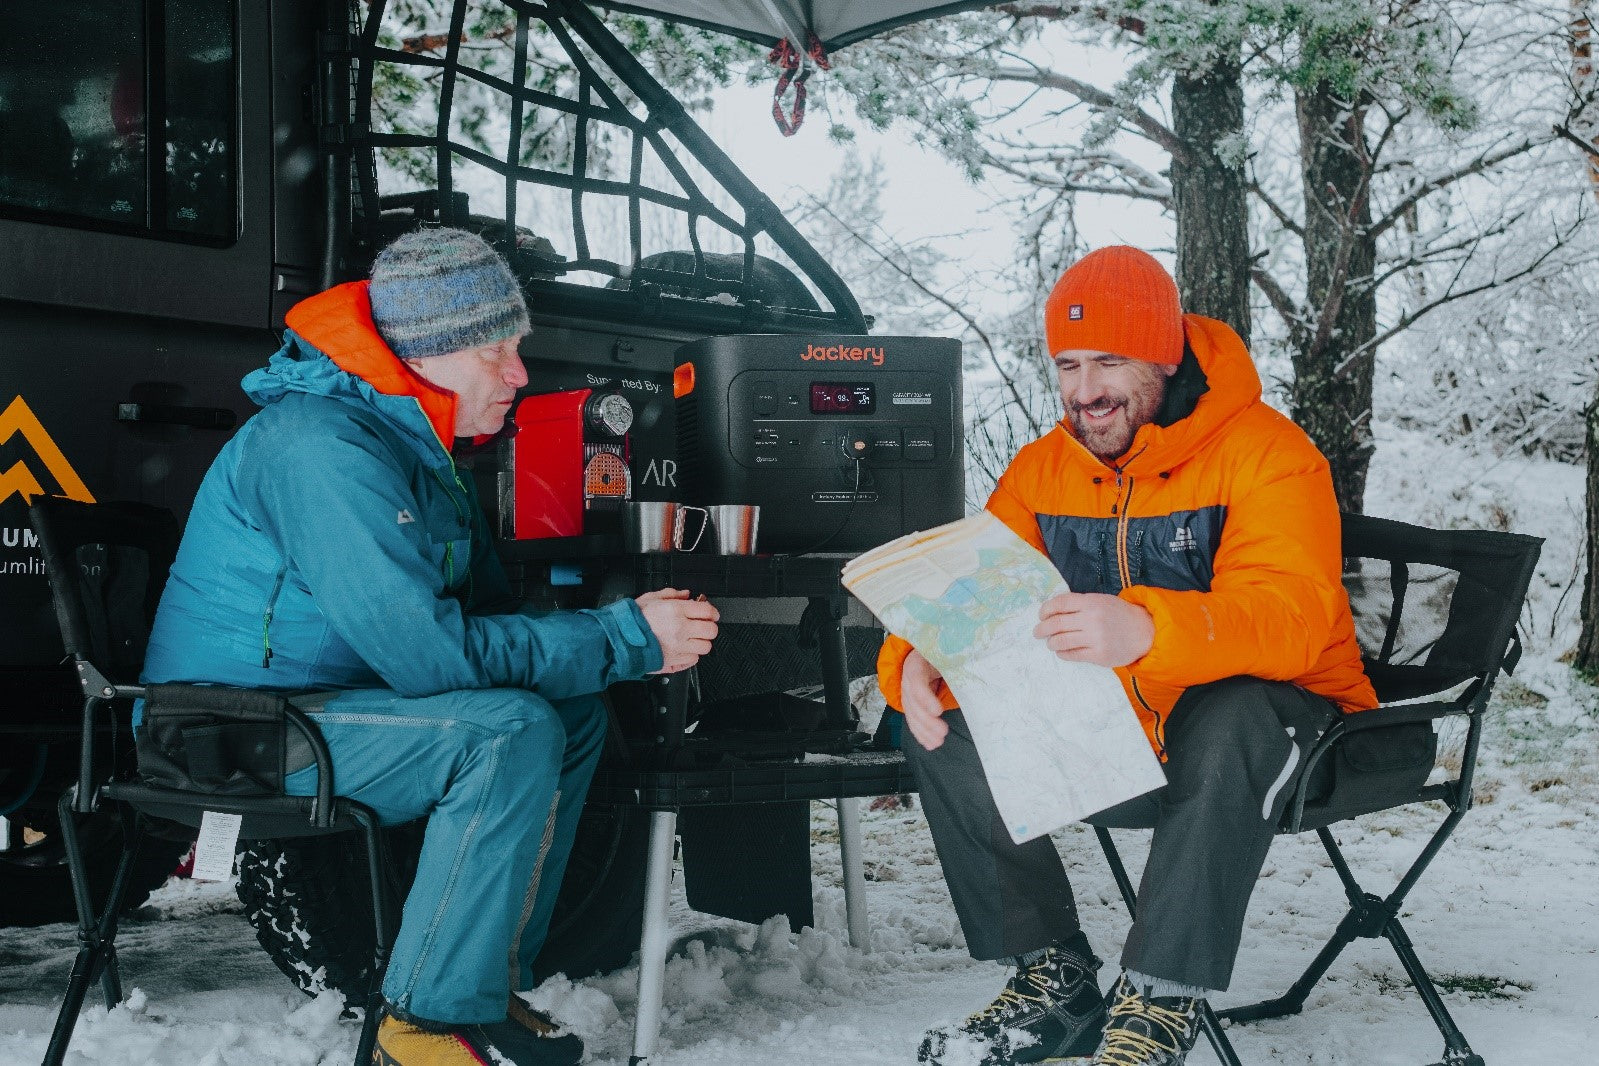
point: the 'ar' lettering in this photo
(662, 472)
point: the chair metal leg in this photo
(1371, 916)
(656, 936)
(1217, 1036)
(1208, 1019)
(97, 956)
(377, 873)
(1113, 859)
(1365, 917)
(1293, 1000)
(1456, 1051)
(849, 838)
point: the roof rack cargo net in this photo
(619, 205)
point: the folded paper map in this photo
(1058, 740)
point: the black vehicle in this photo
(174, 175)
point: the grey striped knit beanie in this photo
(440, 290)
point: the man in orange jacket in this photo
(1198, 532)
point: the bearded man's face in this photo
(1107, 397)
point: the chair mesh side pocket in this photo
(198, 752)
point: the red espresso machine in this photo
(568, 465)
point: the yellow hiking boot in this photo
(402, 1043)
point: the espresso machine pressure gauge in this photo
(608, 413)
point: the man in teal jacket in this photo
(335, 551)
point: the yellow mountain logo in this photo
(18, 417)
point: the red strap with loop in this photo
(795, 71)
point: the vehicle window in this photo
(120, 116)
(199, 117)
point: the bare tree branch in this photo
(1139, 183)
(1094, 96)
(1440, 252)
(1061, 12)
(1288, 222)
(1291, 313)
(896, 263)
(1586, 145)
(1451, 295)
(1485, 161)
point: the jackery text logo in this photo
(843, 353)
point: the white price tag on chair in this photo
(213, 850)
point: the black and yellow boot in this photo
(1050, 1008)
(1147, 1031)
(532, 1032)
(415, 1043)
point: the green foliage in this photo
(1471, 985)
(934, 75)
(1368, 52)
(930, 76)
(1358, 50)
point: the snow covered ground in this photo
(1507, 919)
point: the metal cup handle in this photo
(677, 531)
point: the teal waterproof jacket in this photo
(334, 545)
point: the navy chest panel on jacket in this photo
(1175, 551)
(444, 525)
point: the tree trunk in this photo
(1587, 659)
(1210, 196)
(1331, 397)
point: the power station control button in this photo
(921, 445)
(765, 400)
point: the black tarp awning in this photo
(835, 23)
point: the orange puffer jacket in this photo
(1223, 525)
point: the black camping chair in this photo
(1435, 613)
(200, 748)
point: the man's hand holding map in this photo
(1058, 740)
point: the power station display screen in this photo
(836, 399)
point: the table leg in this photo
(657, 935)
(849, 836)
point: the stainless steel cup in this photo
(657, 526)
(649, 525)
(735, 525)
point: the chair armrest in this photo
(1347, 725)
(98, 691)
(322, 815)
(1401, 714)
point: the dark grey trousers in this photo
(1235, 749)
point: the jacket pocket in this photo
(452, 555)
(266, 618)
(1177, 551)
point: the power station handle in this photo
(174, 415)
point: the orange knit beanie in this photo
(1118, 300)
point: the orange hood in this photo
(338, 323)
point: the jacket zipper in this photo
(266, 621)
(460, 512)
(1160, 721)
(1124, 567)
(1124, 570)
